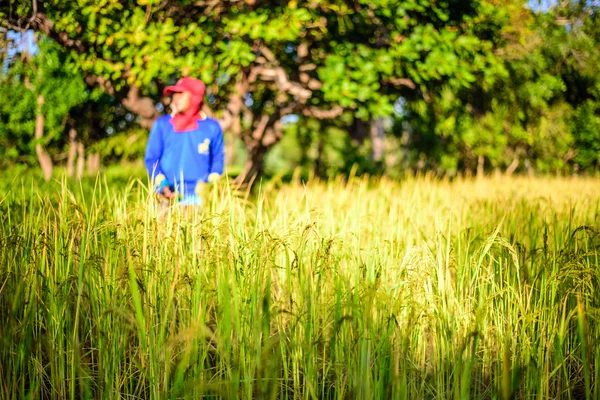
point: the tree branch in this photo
(260, 128)
(401, 82)
(234, 107)
(278, 75)
(40, 22)
(141, 105)
(93, 80)
(318, 113)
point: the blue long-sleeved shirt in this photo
(184, 158)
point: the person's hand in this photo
(212, 178)
(168, 193)
(163, 187)
(199, 188)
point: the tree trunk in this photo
(319, 164)
(93, 164)
(529, 167)
(72, 152)
(480, 165)
(377, 138)
(80, 160)
(229, 150)
(4, 46)
(405, 140)
(266, 132)
(359, 131)
(43, 157)
(512, 167)
(255, 165)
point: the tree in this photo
(265, 60)
(537, 109)
(38, 91)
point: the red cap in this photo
(186, 84)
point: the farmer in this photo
(185, 149)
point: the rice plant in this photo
(358, 288)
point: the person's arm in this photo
(154, 150)
(217, 156)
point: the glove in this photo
(160, 181)
(212, 178)
(199, 188)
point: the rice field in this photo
(359, 288)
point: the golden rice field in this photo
(366, 288)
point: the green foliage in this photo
(47, 74)
(586, 132)
(356, 48)
(17, 122)
(62, 87)
(425, 43)
(320, 149)
(540, 108)
(124, 146)
(487, 79)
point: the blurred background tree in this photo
(530, 117)
(381, 86)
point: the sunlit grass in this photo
(361, 289)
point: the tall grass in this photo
(358, 289)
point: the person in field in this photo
(185, 148)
